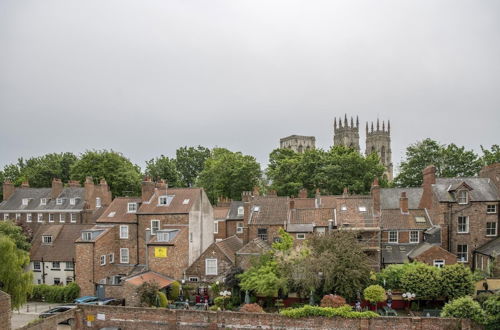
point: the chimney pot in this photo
(403, 202)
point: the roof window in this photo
(43, 201)
(420, 219)
(362, 209)
(241, 210)
(256, 208)
(25, 201)
(72, 201)
(186, 201)
(165, 200)
(343, 208)
(111, 214)
(59, 201)
(47, 239)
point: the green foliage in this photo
(121, 174)
(456, 281)
(55, 293)
(424, 281)
(190, 162)
(482, 297)
(492, 308)
(162, 299)
(263, 279)
(392, 275)
(164, 168)
(15, 233)
(285, 241)
(173, 290)
(491, 156)
(331, 300)
(232, 280)
(344, 311)
(148, 294)
(450, 161)
(464, 308)
(374, 294)
(16, 281)
(330, 171)
(228, 174)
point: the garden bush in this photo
(464, 308)
(492, 308)
(173, 291)
(332, 300)
(162, 299)
(374, 294)
(251, 308)
(482, 297)
(55, 293)
(456, 281)
(344, 311)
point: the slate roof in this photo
(176, 204)
(389, 197)
(483, 190)
(318, 217)
(14, 203)
(117, 211)
(233, 210)
(63, 239)
(272, 210)
(255, 246)
(230, 246)
(492, 248)
(220, 212)
(419, 249)
(396, 254)
(395, 219)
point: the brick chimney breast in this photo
(57, 188)
(292, 203)
(8, 189)
(25, 184)
(403, 203)
(303, 193)
(375, 191)
(429, 175)
(147, 189)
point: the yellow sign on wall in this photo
(160, 252)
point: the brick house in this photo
(432, 254)
(487, 258)
(235, 219)
(216, 261)
(249, 252)
(220, 216)
(466, 209)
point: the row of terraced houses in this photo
(112, 246)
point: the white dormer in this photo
(47, 239)
(25, 201)
(59, 201)
(241, 210)
(43, 201)
(165, 200)
(131, 207)
(72, 201)
(463, 197)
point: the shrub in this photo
(344, 311)
(331, 300)
(492, 308)
(374, 294)
(162, 299)
(482, 297)
(456, 281)
(55, 293)
(174, 291)
(464, 308)
(148, 294)
(251, 308)
(422, 280)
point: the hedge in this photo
(344, 311)
(55, 293)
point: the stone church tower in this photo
(346, 135)
(379, 141)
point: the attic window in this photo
(420, 219)
(59, 201)
(72, 201)
(46, 239)
(241, 210)
(463, 197)
(256, 208)
(362, 209)
(25, 201)
(131, 207)
(43, 201)
(186, 201)
(165, 200)
(86, 236)
(111, 214)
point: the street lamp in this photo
(225, 295)
(408, 296)
(182, 291)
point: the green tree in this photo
(456, 281)
(330, 171)
(491, 156)
(13, 278)
(190, 162)
(492, 308)
(228, 174)
(423, 280)
(164, 168)
(148, 294)
(390, 276)
(464, 308)
(15, 233)
(122, 175)
(450, 161)
(374, 294)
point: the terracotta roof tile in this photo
(161, 280)
(272, 210)
(304, 203)
(117, 211)
(230, 246)
(318, 217)
(221, 212)
(182, 201)
(395, 219)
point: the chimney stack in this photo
(403, 203)
(256, 191)
(89, 191)
(25, 184)
(8, 189)
(105, 192)
(292, 203)
(303, 193)
(162, 184)
(429, 174)
(375, 191)
(74, 183)
(57, 187)
(491, 172)
(346, 192)
(148, 189)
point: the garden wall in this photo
(4, 311)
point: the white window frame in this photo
(418, 236)
(103, 260)
(37, 263)
(59, 201)
(18, 216)
(216, 227)
(86, 236)
(153, 229)
(208, 267)
(439, 263)
(54, 265)
(25, 201)
(39, 217)
(389, 240)
(124, 256)
(462, 252)
(300, 236)
(51, 217)
(362, 208)
(466, 230)
(131, 207)
(43, 201)
(69, 265)
(123, 234)
(163, 198)
(241, 210)
(239, 227)
(162, 236)
(98, 202)
(72, 201)
(111, 258)
(5, 216)
(73, 218)
(29, 217)
(494, 229)
(463, 199)
(62, 218)
(493, 207)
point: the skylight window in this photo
(256, 208)
(362, 209)
(420, 219)
(343, 208)
(186, 201)
(111, 214)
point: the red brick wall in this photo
(5, 312)
(83, 268)
(435, 253)
(272, 231)
(198, 267)
(231, 228)
(177, 259)
(221, 234)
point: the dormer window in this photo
(59, 201)
(132, 207)
(87, 236)
(165, 200)
(43, 201)
(162, 200)
(72, 201)
(46, 239)
(241, 211)
(25, 201)
(162, 236)
(463, 197)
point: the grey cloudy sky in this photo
(145, 77)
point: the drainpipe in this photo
(43, 271)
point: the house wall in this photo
(197, 269)
(272, 232)
(48, 274)
(176, 261)
(231, 226)
(403, 236)
(84, 267)
(221, 232)
(437, 253)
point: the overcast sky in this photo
(145, 77)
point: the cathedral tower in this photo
(346, 135)
(379, 140)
